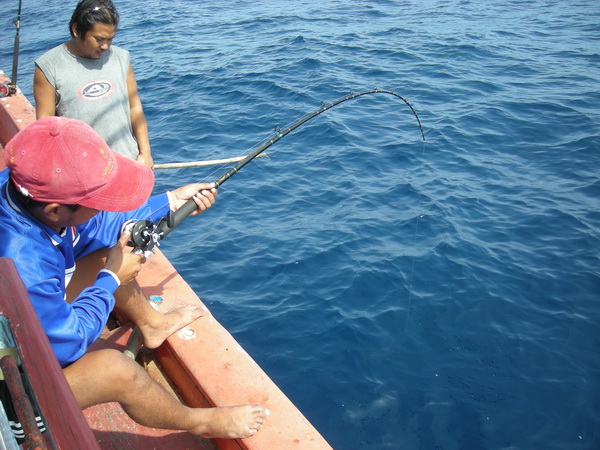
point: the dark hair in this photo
(29, 203)
(89, 12)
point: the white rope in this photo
(211, 162)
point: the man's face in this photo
(96, 41)
(70, 218)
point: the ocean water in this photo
(404, 294)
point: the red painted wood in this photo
(22, 403)
(62, 415)
(15, 114)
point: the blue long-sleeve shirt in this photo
(46, 259)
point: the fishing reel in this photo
(145, 235)
(7, 89)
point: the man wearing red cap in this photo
(65, 196)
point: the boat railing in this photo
(66, 425)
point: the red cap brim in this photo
(128, 189)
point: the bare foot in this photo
(172, 321)
(230, 422)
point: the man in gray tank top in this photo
(89, 79)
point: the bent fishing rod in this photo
(145, 234)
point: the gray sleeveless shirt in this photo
(94, 91)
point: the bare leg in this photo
(109, 376)
(155, 326)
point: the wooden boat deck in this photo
(112, 427)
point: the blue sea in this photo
(404, 294)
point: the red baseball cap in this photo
(61, 160)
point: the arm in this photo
(73, 327)
(204, 195)
(138, 120)
(70, 327)
(44, 94)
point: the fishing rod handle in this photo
(190, 206)
(179, 216)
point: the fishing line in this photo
(412, 269)
(214, 171)
(145, 235)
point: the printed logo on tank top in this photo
(96, 90)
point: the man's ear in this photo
(74, 30)
(52, 212)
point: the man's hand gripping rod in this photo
(145, 235)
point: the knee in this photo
(122, 368)
(116, 369)
(105, 376)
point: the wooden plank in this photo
(15, 114)
(62, 415)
